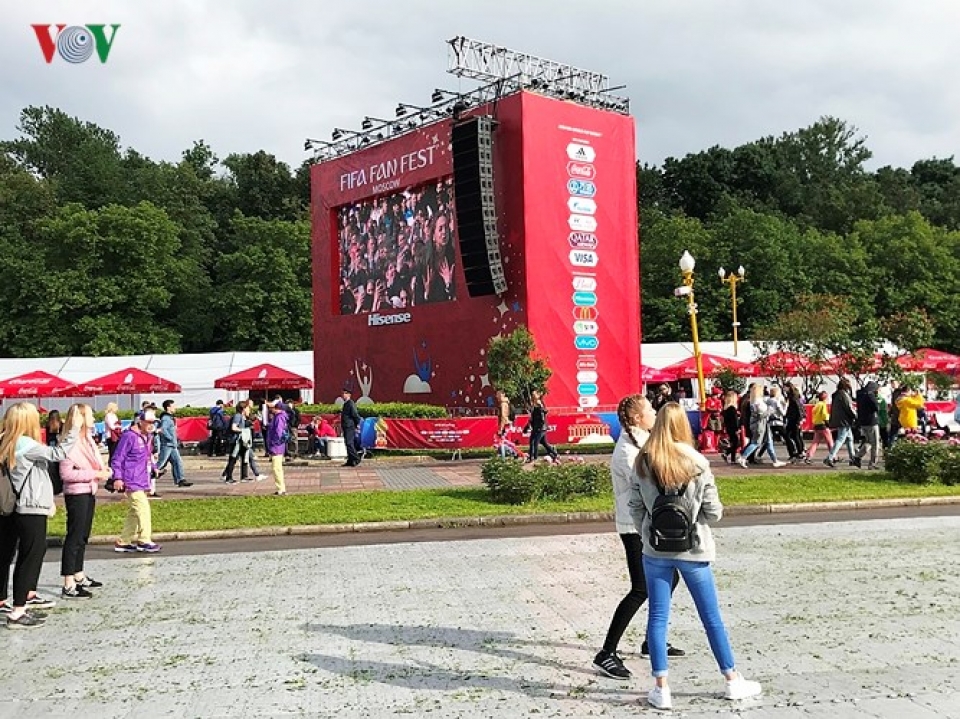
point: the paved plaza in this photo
(844, 619)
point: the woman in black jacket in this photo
(842, 418)
(538, 428)
(793, 434)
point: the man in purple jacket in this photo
(278, 434)
(131, 464)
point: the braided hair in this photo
(632, 404)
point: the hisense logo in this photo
(377, 320)
(75, 43)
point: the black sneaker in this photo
(672, 651)
(25, 621)
(855, 462)
(185, 483)
(610, 665)
(88, 583)
(828, 462)
(75, 592)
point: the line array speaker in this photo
(476, 211)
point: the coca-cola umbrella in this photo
(930, 360)
(687, 368)
(37, 384)
(129, 381)
(654, 375)
(790, 364)
(263, 376)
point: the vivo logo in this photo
(586, 342)
(378, 320)
(582, 170)
(582, 205)
(581, 153)
(583, 188)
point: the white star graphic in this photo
(484, 381)
(503, 307)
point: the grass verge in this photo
(187, 515)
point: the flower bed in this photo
(916, 459)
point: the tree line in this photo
(110, 252)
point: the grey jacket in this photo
(701, 500)
(622, 474)
(31, 475)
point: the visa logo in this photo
(583, 258)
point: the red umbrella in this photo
(129, 381)
(930, 360)
(263, 376)
(652, 374)
(789, 363)
(38, 384)
(711, 363)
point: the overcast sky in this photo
(247, 75)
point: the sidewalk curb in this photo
(511, 520)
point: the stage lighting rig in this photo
(368, 121)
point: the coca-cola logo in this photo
(583, 170)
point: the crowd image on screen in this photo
(397, 251)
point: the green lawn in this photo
(236, 512)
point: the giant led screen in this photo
(397, 251)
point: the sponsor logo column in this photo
(584, 258)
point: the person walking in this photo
(277, 438)
(25, 464)
(821, 428)
(503, 420)
(793, 433)
(349, 422)
(112, 429)
(131, 474)
(868, 417)
(81, 472)
(636, 415)
(731, 425)
(538, 428)
(842, 418)
(170, 444)
(760, 436)
(669, 464)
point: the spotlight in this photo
(401, 110)
(366, 124)
(397, 129)
(336, 134)
(411, 125)
(379, 135)
(308, 145)
(437, 96)
(365, 140)
(459, 107)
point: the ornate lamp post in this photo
(687, 263)
(732, 280)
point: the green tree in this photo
(516, 367)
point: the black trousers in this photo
(349, 438)
(630, 604)
(237, 454)
(80, 508)
(8, 549)
(32, 535)
(794, 440)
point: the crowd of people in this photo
(398, 251)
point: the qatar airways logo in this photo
(378, 320)
(389, 169)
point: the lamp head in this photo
(741, 271)
(687, 263)
(722, 272)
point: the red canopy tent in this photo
(930, 360)
(653, 374)
(37, 384)
(128, 381)
(687, 369)
(263, 376)
(789, 363)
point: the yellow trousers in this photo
(137, 527)
(276, 462)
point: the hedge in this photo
(512, 482)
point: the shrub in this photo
(950, 463)
(510, 482)
(914, 459)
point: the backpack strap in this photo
(6, 473)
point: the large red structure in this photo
(565, 187)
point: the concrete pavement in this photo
(844, 619)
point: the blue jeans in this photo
(698, 576)
(844, 436)
(760, 445)
(169, 453)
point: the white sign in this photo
(590, 401)
(583, 258)
(584, 283)
(582, 223)
(583, 205)
(585, 327)
(581, 153)
(587, 376)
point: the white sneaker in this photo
(659, 698)
(261, 477)
(742, 462)
(741, 688)
(779, 464)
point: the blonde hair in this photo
(112, 407)
(633, 405)
(21, 420)
(661, 458)
(756, 393)
(731, 399)
(75, 409)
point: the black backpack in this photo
(671, 527)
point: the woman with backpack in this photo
(636, 415)
(81, 471)
(25, 465)
(674, 501)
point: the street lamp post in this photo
(732, 280)
(687, 263)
